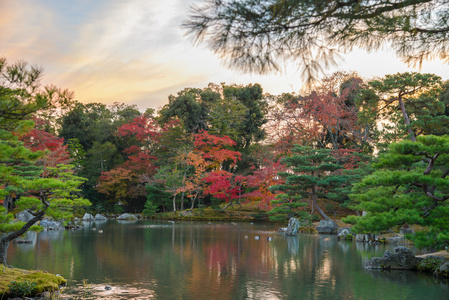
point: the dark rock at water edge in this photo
(293, 227)
(442, 271)
(327, 227)
(401, 259)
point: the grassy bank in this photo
(18, 283)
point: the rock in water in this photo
(127, 217)
(401, 259)
(327, 227)
(100, 217)
(293, 227)
(88, 217)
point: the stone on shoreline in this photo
(100, 217)
(88, 217)
(401, 259)
(327, 227)
(344, 233)
(24, 216)
(127, 217)
(293, 227)
(51, 225)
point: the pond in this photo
(201, 260)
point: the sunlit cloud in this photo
(136, 51)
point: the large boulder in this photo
(100, 217)
(24, 216)
(127, 217)
(51, 225)
(327, 227)
(293, 227)
(344, 233)
(442, 271)
(367, 237)
(401, 259)
(88, 217)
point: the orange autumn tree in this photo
(209, 160)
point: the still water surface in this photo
(200, 260)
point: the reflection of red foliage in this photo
(219, 255)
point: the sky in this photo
(136, 51)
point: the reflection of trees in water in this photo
(202, 261)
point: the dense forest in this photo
(377, 146)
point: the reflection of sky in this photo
(136, 52)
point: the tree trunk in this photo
(193, 200)
(227, 205)
(407, 120)
(182, 201)
(7, 201)
(317, 207)
(174, 202)
(4, 242)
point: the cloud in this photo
(133, 51)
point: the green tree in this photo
(312, 174)
(55, 194)
(406, 104)
(410, 186)
(19, 98)
(39, 189)
(257, 35)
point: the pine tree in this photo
(311, 175)
(410, 186)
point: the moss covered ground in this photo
(43, 281)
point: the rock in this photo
(100, 217)
(23, 242)
(442, 271)
(327, 227)
(406, 231)
(293, 226)
(399, 239)
(431, 263)
(344, 233)
(186, 213)
(365, 237)
(402, 259)
(24, 216)
(127, 217)
(51, 225)
(88, 217)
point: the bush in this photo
(21, 288)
